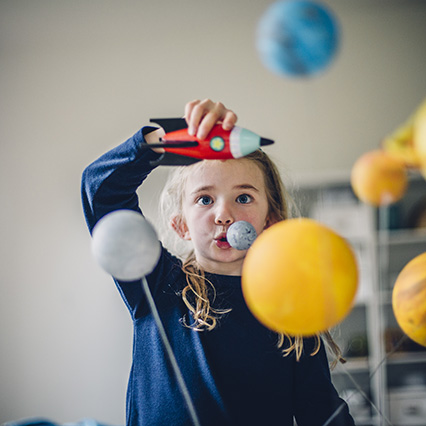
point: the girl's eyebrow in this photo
(246, 186)
(211, 187)
(202, 189)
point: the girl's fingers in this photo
(195, 111)
(229, 120)
(189, 107)
(201, 116)
(214, 114)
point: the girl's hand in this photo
(201, 116)
(155, 137)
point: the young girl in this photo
(237, 371)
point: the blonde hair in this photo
(199, 293)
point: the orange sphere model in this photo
(409, 299)
(299, 277)
(378, 178)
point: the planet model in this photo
(241, 235)
(400, 144)
(419, 136)
(125, 245)
(409, 299)
(299, 277)
(379, 178)
(297, 38)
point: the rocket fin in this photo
(169, 159)
(170, 124)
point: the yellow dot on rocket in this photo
(217, 143)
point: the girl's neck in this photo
(231, 269)
(215, 268)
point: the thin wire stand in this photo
(170, 354)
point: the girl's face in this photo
(217, 194)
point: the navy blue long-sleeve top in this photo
(235, 373)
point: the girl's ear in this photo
(270, 220)
(179, 226)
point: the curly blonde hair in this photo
(199, 293)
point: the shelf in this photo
(364, 422)
(407, 358)
(402, 236)
(382, 248)
(386, 296)
(353, 365)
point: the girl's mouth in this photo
(222, 242)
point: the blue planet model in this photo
(241, 235)
(297, 38)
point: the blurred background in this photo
(77, 78)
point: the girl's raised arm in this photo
(110, 182)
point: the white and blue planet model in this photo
(241, 235)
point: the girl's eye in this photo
(205, 200)
(244, 199)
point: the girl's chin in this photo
(223, 262)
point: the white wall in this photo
(78, 77)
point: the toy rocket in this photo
(182, 148)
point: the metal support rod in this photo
(171, 355)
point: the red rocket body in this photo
(220, 144)
(215, 147)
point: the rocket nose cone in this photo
(264, 141)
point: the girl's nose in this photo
(223, 215)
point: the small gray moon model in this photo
(241, 235)
(125, 245)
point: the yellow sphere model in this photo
(409, 299)
(299, 277)
(378, 178)
(400, 144)
(419, 136)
